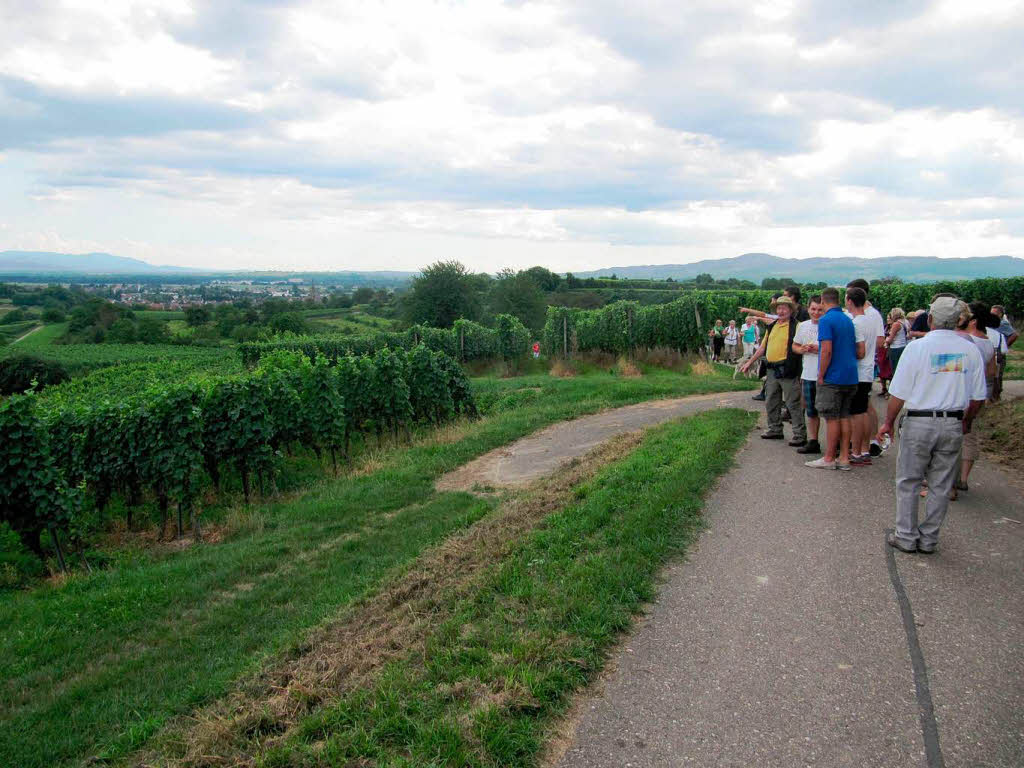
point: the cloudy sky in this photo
(339, 135)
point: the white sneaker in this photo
(820, 464)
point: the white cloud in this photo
(268, 133)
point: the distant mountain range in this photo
(757, 266)
(33, 262)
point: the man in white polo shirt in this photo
(941, 379)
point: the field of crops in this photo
(79, 359)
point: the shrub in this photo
(17, 374)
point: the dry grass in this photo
(603, 360)
(701, 368)
(1001, 429)
(350, 650)
(627, 368)
(563, 369)
(661, 357)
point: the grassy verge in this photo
(1015, 362)
(484, 688)
(97, 664)
(1001, 428)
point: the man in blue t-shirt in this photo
(838, 353)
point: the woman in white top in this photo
(732, 340)
(897, 339)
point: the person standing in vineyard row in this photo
(941, 380)
(751, 335)
(732, 339)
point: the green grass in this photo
(80, 359)
(1015, 363)
(44, 337)
(537, 628)
(97, 664)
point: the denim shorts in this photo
(810, 392)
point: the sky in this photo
(252, 134)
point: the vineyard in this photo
(160, 432)
(466, 341)
(682, 324)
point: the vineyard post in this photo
(565, 336)
(56, 545)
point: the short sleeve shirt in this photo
(1005, 328)
(942, 371)
(864, 330)
(997, 339)
(749, 333)
(807, 333)
(837, 328)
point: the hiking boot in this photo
(811, 446)
(796, 443)
(772, 436)
(895, 543)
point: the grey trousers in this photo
(929, 449)
(790, 390)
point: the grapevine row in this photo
(683, 324)
(465, 341)
(63, 460)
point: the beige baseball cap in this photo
(946, 311)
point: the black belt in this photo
(938, 414)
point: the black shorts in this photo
(833, 401)
(861, 399)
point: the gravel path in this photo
(542, 453)
(779, 641)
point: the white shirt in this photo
(864, 330)
(997, 339)
(732, 335)
(807, 333)
(942, 371)
(878, 320)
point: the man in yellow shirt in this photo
(783, 382)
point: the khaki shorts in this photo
(833, 401)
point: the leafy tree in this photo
(152, 331)
(122, 332)
(15, 316)
(444, 292)
(546, 279)
(362, 295)
(519, 295)
(704, 278)
(53, 315)
(571, 281)
(195, 316)
(286, 322)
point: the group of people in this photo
(942, 363)
(726, 341)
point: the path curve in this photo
(542, 453)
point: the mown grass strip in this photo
(484, 690)
(97, 665)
